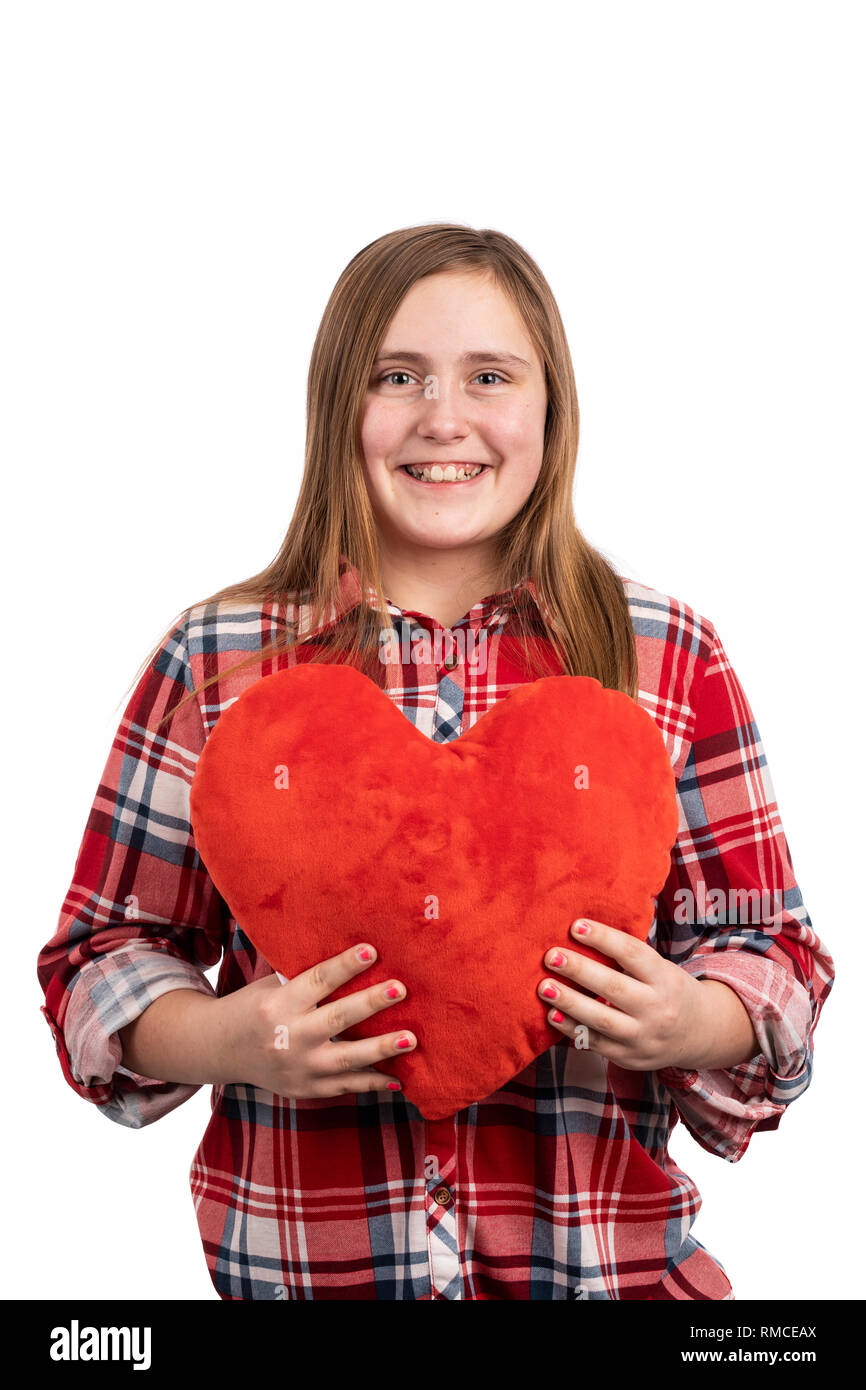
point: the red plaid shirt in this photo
(560, 1185)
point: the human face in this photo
(457, 380)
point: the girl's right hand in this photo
(284, 1038)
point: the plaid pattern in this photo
(560, 1185)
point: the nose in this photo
(443, 415)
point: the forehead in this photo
(453, 311)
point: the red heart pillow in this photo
(326, 818)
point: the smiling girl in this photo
(452, 437)
(436, 503)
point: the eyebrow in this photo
(505, 359)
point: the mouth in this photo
(444, 475)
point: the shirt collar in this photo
(482, 614)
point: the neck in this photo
(441, 584)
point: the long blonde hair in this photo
(590, 627)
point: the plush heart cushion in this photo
(325, 818)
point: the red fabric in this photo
(325, 818)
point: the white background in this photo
(183, 183)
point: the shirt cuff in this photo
(109, 992)
(723, 1107)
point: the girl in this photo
(437, 499)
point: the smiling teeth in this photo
(438, 474)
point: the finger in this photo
(325, 976)
(622, 990)
(331, 1019)
(351, 1055)
(637, 958)
(587, 1039)
(348, 1082)
(572, 1009)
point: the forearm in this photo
(727, 1036)
(181, 1036)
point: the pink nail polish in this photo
(394, 1086)
(393, 992)
(557, 1016)
(557, 958)
(365, 954)
(404, 1042)
(549, 992)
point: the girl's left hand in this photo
(653, 1014)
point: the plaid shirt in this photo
(558, 1186)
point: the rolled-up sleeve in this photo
(731, 910)
(142, 915)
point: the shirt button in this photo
(442, 1196)
(451, 660)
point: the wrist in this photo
(172, 1040)
(725, 1036)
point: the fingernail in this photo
(556, 958)
(392, 993)
(364, 953)
(557, 1016)
(404, 1042)
(550, 991)
(394, 1086)
(580, 928)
